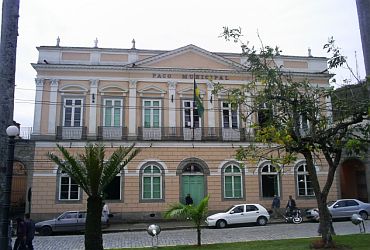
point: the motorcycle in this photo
(294, 216)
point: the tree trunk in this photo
(93, 233)
(325, 228)
(326, 225)
(199, 236)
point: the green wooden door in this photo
(193, 185)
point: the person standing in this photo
(30, 231)
(291, 205)
(106, 212)
(276, 206)
(188, 200)
(20, 242)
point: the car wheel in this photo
(46, 231)
(221, 224)
(261, 221)
(363, 215)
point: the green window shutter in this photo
(237, 186)
(146, 188)
(228, 187)
(156, 187)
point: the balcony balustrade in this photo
(71, 133)
(112, 133)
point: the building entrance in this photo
(353, 180)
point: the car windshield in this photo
(330, 203)
(229, 208)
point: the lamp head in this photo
(12, 131)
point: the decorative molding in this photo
(39, 82)
(94, 83)
(172, 85)
(132, 84)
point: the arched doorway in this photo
(353, 179)
(193, 180)
(19, 188)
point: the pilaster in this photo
(132, 109)
(210, 106)
(53, 106)
(38, 104)
(172, 104)
(92, 105)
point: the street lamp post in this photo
(12, 132)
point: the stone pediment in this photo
(189, 57)
(152, 90)
(73, 88)
(112, 89)
(189, 91)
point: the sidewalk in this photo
(164, 225)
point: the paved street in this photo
(188, 236)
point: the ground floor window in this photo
(270, 181)
(68, 188)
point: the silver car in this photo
(343, 208)
(69, 221)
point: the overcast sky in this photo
(293, 25)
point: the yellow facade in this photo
(120, 96)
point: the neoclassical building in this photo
(122, 96)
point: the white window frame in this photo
(73, 106)
(231, 114)
(303, 173)
(65, 175)
(151, 176)
(270, 172)
(113, 100)
(151, 108)
(191, 108)
(233, 174)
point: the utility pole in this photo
(363, 12)
(8, 49)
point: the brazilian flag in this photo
(198, 100)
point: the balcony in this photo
(190, 134)
(71, 133)
(112, 133)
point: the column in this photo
(38, 104)
(132, 109)
(172, 104)
(92, 106)
(210, 106)
(329, 112)
(53, 106)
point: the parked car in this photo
(69, 221)
(241, 213)
(343, 208)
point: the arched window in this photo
(270, 180)
(68, 188)
(304, 184)
(151, 182)
(233, 182)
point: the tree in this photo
(92, 172)
(196, 213)
(297, 118)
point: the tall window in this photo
(270, 181)
(72, 113)
(304, 183)
(229, 116)
(152, 113)
(113, 190)
(233, 182)
(151, 182)
(112, 112)
(264, 115)
(190, 116)
(68, 188)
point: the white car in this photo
(241, 213)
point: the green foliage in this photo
(93, 173)
(196, 213)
